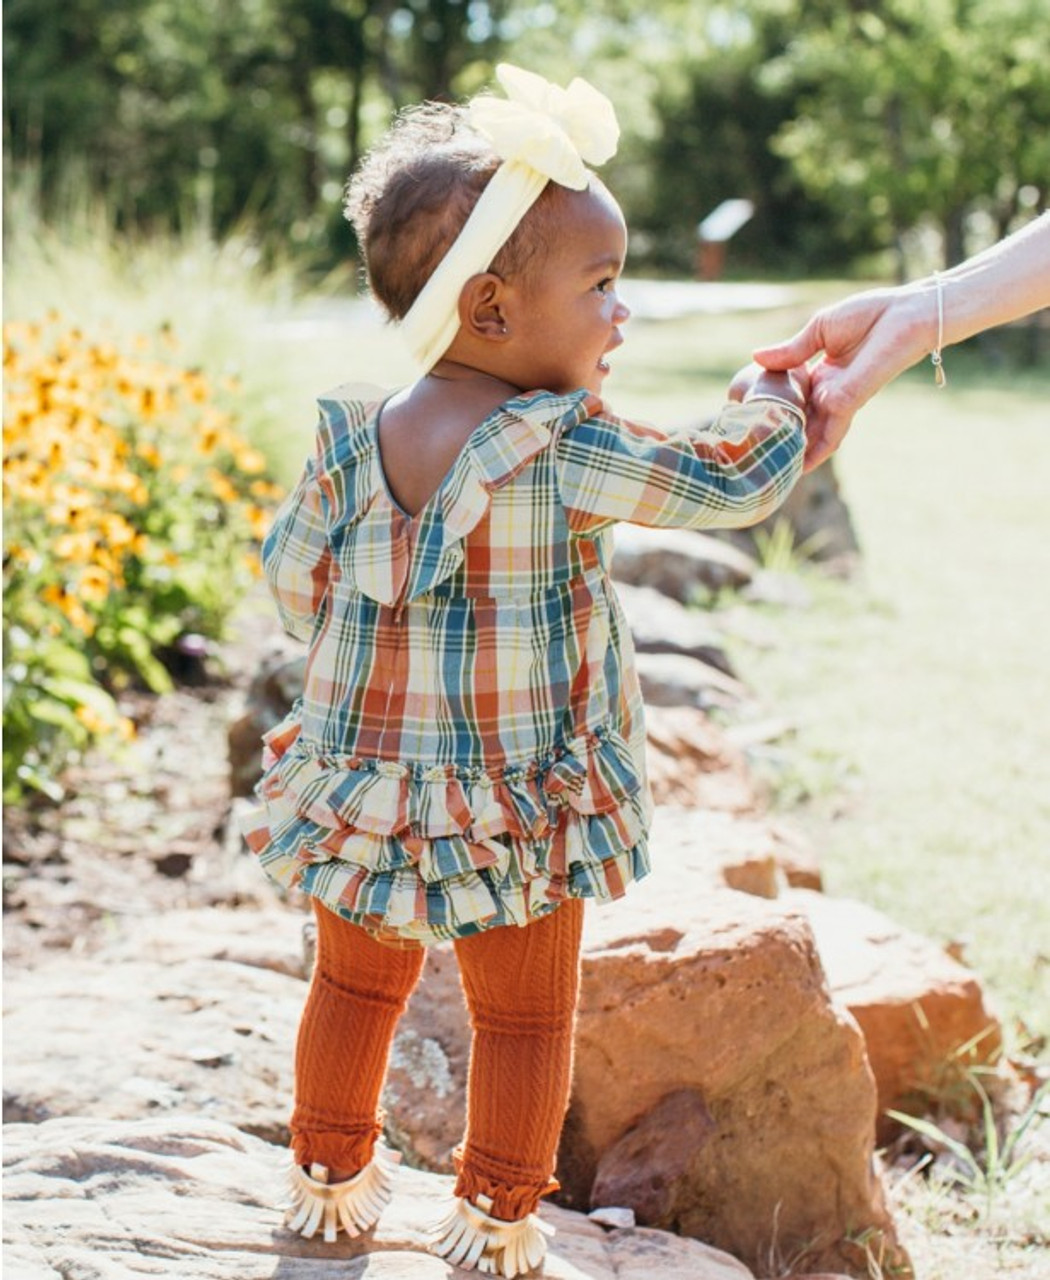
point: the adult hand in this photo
(866, 340)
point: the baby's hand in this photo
(752, 380)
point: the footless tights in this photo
(521, 987)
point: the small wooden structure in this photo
(715, 232)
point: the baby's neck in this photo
(447, 370)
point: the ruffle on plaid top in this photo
(469, 747)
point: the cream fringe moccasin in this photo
(352, 1206)
(472, 1239)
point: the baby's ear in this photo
(481, 307)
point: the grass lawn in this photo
(928, 680)
(921, 689)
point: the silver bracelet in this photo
(939, 376)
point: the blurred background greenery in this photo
(852, 127)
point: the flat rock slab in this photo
(184, 1197)
(205, 1023)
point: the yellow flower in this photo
(221, 486)
(94, 585)
(70, 607)
(259, 521)
(92, 721)
(249, 460)
(76, 547)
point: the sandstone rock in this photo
(692, 762)
(426, 1087)
(675, 680)
(795, 857)
(274, 688)
(705, 849)
(660, 624)
(679, 562)
(654, 1162)
(723, 994)
(918, 1008)
(181, 1196)
(124, 1036)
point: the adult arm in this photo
(869, 338)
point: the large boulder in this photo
(679, 563)
(709, 1013)
(273, 689)
(692, 762)
(195, 1014)
(678, 680)
(181, 1196)
(660, 624)
(926, 1018)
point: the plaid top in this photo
(468, 750)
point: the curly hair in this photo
(411, 195)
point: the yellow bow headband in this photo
(542, 133)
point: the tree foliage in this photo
(846, 124)
(915, 109)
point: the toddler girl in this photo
(466, 760)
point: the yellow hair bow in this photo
(553, 130)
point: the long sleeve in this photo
(296, 556)
(730, 474)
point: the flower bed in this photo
(131, 504)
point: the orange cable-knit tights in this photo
(521, 987)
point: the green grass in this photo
(921, 689)
(927, 683)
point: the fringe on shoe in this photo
(472, 1239)
(352, 1206)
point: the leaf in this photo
(58, 715)
(40, 782)
(929, 1130)
(141, 653)
(81, 693)
(64, 660)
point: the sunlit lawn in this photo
(930, 680)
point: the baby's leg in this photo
(359, 990)
(521, 987)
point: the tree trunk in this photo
(954, 237)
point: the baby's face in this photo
(565, 313)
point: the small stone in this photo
(174, 865)
(212, 1058)
(613, 1218)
